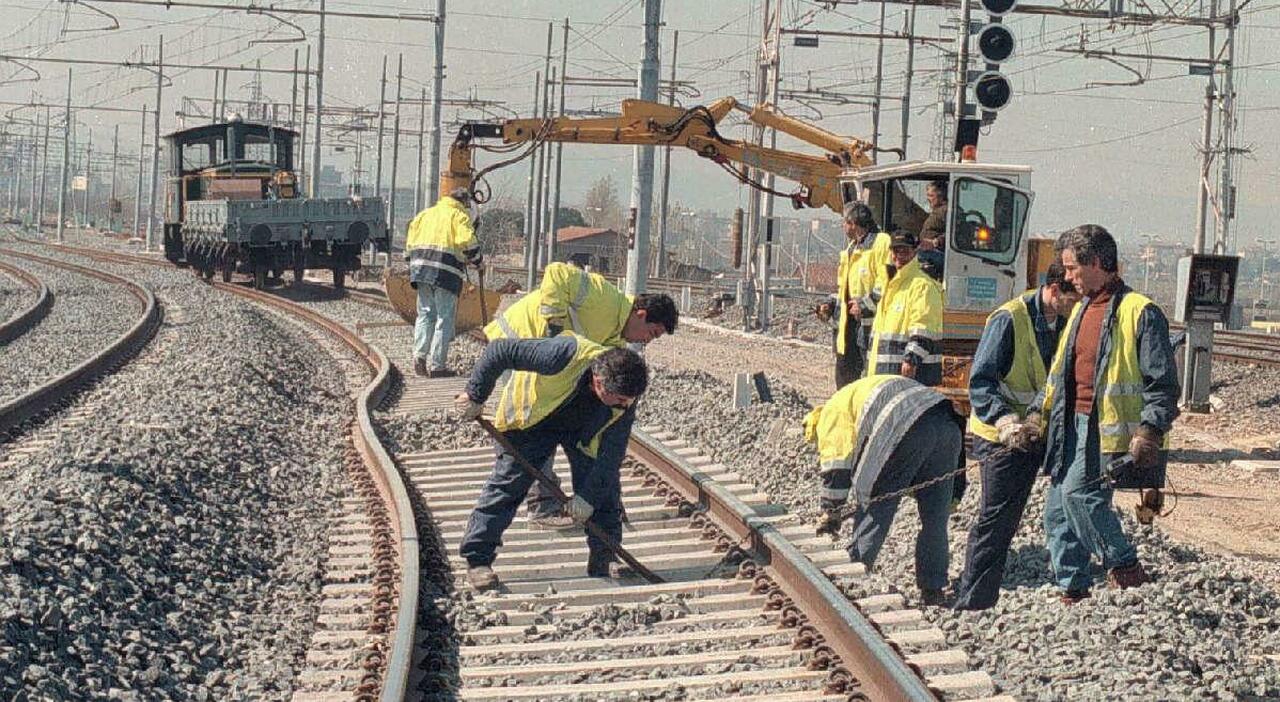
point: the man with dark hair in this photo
(906, 338)
(592, 307)
(933, 233)
(1112, 390)
(1009, 368)
(439, 239)
(858, 288)
(566, 392)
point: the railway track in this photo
(760, 617)
(28, 317)
(40, 399)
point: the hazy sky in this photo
(1125, 157)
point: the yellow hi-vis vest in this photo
(911, 306)
(1118, 395)
(861, 272)
(1026, 374)
(578, 301)
(529, 398)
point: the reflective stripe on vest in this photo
(841, 425)
(1117, 398)
(892, 334)
(1026, 374)
(857, 278)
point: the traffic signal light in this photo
(995, 44)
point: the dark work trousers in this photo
(509, 483)
(926, 451)
(541, 502)
(1007, 478)
(849, 365)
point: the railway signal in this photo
(995, 44)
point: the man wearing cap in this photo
(906, 337)
(859, 281)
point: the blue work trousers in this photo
(1007, 478)
(927, 450)
(509, 483)
(1079, 520)
(433, 329)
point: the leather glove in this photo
(579, 509)
(465, 408)
(824, 311)
(828, 524)
(1145, 448)
(1009, 430)
(1032, 429)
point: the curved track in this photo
(18, 324)
(40, 399)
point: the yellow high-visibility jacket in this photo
(908, 324)
(439, 240)
(569, 298)
(861, 277)
(1027, 373)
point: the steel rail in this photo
(386, 476)
(18, 324)
(869, 659)
(125, 347)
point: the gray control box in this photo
(1206, 288)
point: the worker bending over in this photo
(440, 238)
(1112, 390)
(1009, 368)
(859, 283)
(592, 307)
(906, 337)
(565, 392)
(877, 436)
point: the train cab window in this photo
(988, 219)
(196, 155)
(257, 148)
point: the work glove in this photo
(1145, 447)
(824, 311)
(465, 408)
(828, 524)
(479, 262)
(1017, 435)
(579, 510)
(1032, 429)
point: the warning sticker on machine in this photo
(981, 290)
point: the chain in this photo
(848, 511)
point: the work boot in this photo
(608, 569)
(1070, 597)
(933, 598)
(553, 521)
(1125, 577)
(442, 373)
(420, 367)
(482, 578)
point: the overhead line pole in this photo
(115, 165)
(909, 28)
(315, 150)
(530, 227)
(962, 68)
(545, 202)
(555, 199)
(395, 152)
(422, 131)
(306, 107)
(88, 159)
(1206, 147)
(1227, 190)
(437, 94)
(155, 152)
(875, 105)
(382, 114)
(775, 58)
(539, 208)
(44, 168)
(642, 173)
(66, 162)
(293, 95)
(35, 168)
(660, 266)
(213, 111)
(142, 155)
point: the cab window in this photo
(988, 219)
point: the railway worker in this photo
(440, 239)
(858, 288)
(565, 392)
(587, 303)
(875, 437)
(1112, 390)
(907, 331)
(1009, 368)
(933, 233)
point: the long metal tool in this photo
(550, 486)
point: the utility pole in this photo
(1206, 149)
(395, 151)
(547, 217)
(962, 68)
(437, 90)
(382, 113)
(909, 28)
(213, 111)
(642, 172)
(44, 168)
(293, 95)
(155, 152)
(875, 105)
(539, 196)
(530, 227)
(315, 148)
(115, 164)
(660, 268)
(88, 158)
(66, 163)
(35, 164)
(142, 156)
(767, 84)
(1227, 190)
(422, 131)
(555, 198)
(306, 106)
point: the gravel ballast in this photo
(1200, 631)
(171, 544)
(15, 296)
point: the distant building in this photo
(600, 249)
